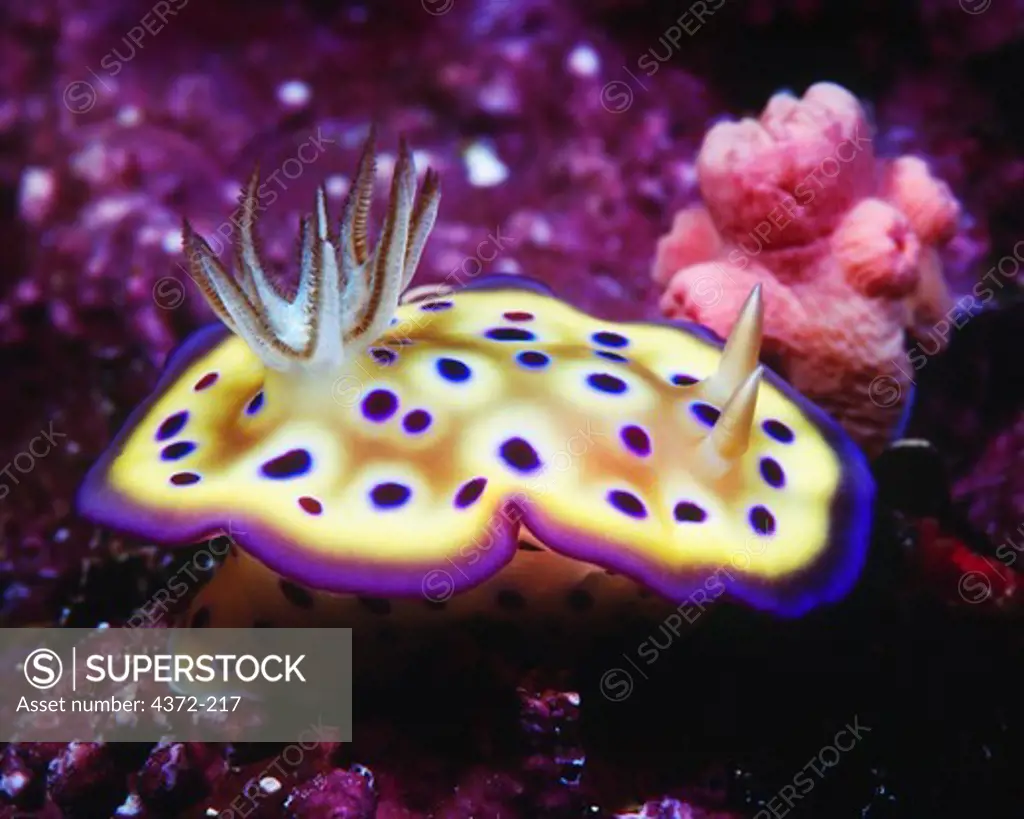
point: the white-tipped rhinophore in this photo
(742, 350)
(347, 294)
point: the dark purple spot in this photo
(518, 315)
(762, 521)
(380, 405)
(772, 472)
(636, 440)
(296, 595)
(533, 359)
(609, 339)
(201, 619)
(451, 369)
(779, 431)
(686, 512)
(291, 464)
(606, 383)
(184, 478)
(171, 426)
(256, 404)
(683, 380)
(383, 356)
(311, 505)
(627, 503)
(470, 492)
(511, 600)
(403, 342)
(390, 495)
(526, 546)
(416, 421)
(174, 452)
(518, 454)
(621, 359)
(509, 334)
(705, 413)
(206, 381)
(436, 306)
(376, 605)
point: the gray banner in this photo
(148, 684)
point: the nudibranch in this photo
(485, 448)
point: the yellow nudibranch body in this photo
(488, 448)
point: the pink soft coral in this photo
(844, 245)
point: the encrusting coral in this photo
(845, 246)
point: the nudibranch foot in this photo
(356, 445)
(538, 587)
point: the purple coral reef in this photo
(565, 134)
